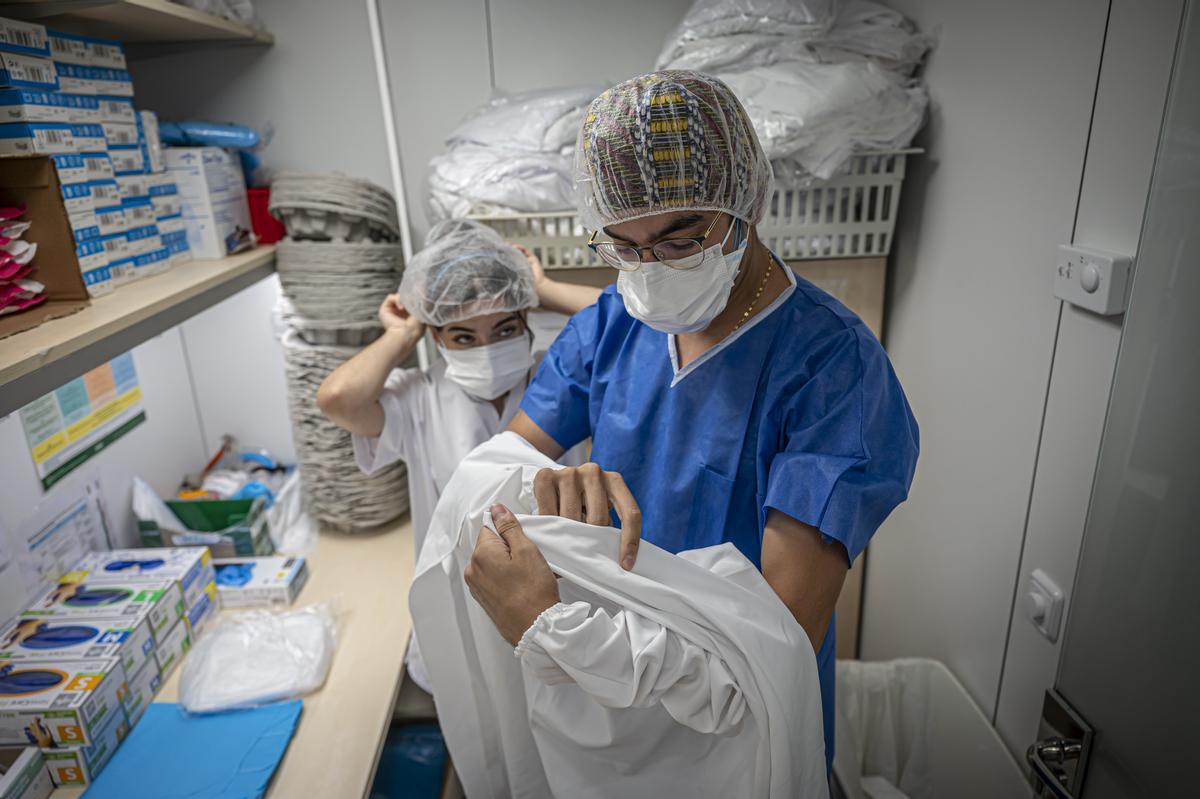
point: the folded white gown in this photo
(685, 677)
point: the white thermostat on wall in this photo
(1095, 280)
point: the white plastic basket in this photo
(850, 215)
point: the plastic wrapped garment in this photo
(754, 33)
(821, 114)
(685, 677)
(467, 270)
(259, 657)
(512, 154)
(668, 141)
(815, 96)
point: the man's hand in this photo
(585, 494)
(395, 316)
(535, 265)
(508, 576)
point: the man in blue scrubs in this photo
(727, 399)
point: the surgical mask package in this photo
(259, 657)
(676, 301)
(293, 532)
(488, 372)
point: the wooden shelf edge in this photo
(39, 360)
(134, 22)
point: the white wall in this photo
(315, 87)
(972, 318)
(160, 450)
(441, 61)
(1130, 99)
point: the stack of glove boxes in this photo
(81, 665)
(71, 97)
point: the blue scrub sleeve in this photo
(851, 444)
(557, 399)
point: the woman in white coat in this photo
(472, 290)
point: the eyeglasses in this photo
(682, 253)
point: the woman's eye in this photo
(464, 340)
(507, 332)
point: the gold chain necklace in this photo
(757, 294)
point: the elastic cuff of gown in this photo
(539, 624)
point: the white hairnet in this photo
(668, 141)
(465, 270)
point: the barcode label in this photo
(22, 38)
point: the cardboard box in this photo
(172, 647)
(33, 181)
(203, 611)
(160, 601)
(93, 263)
(99, 166)
(127, 160)
(70, 704)
(27, 72)
(106, 193)
(177, 247)
(79, 79)
(89, 138)
(71, 48)
(120, 134)
(112, 220)
(138, 211)
(135, 186)
(23, 773)
(121, 271)
(84, 227)
(260, 582)
(77, 198)
(26, 105)
(143, 239)
(213, 194)
(151, 263)
(29, 138)
(82, 109)
(130, 641)
(140, 688)
(116, 109)
(70, 167)
(77, 766)
(26, 38)
(190, 567)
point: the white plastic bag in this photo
(258, 657)
(293, 532)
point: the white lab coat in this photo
(685, 677)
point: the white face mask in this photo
(676, 301)
(488, 372)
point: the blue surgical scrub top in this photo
(802, 413)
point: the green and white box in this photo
(266, 582)
(129, 640)
(191, 567)
(140, 688)
(172, 647)
(67, 702)
(23, 773)
(77, 766)
(160, 600)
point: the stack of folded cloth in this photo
(17, 290)
(340, 259)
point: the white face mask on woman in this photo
(676, 301)
(490, 371)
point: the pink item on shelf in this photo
(14, 256)
(11, 213)
(21, 305)
(18, 295)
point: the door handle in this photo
(1053, 762)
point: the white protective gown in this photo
(685, 677)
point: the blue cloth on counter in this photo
(171, 755)
(801, 412)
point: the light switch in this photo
(1044, 604)
(1093, 279)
